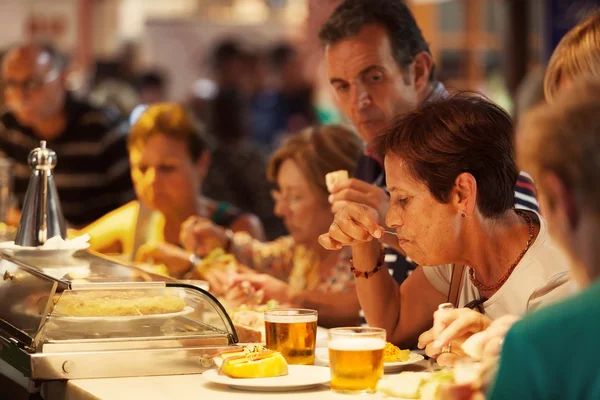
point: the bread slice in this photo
(248, 334)
(335, 178)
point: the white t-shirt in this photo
(540, 278)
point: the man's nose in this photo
(361, 97)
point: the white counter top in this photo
(176, 387)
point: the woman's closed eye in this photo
(289, 197)
(162, 168)
(166, 168)
(401, 201)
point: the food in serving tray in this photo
(335, 178)
(393, 353)
(254, 362)
(111, 303)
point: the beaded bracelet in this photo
(367, 274)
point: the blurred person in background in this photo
(229, 66)
(530, 92)
(266, 118)
(577, 56)
(294, 270)
(109, 90)
(92, 175)
(169, 157)
(283, 103)
(236, 173)
(115, 83)
(379, 66)
(151, 86)
(295, 105)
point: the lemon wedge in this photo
(266, 364)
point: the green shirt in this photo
(553, 353)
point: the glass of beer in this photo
(293, 333)
(356, 359)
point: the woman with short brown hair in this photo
(295, 270)
(450, 172)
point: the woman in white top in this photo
(451, 174)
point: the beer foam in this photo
(356, 344)
(290, 319)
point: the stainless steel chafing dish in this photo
(37, 344)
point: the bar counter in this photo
(182, 387)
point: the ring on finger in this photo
(447, 348)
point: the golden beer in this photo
(293, 333)
(356, 363)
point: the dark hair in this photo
(228, 118)
(280, 54)
(151, 78)
(462, 133)
(172, 120)
(225, 52)
(405, 35)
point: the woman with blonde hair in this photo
(169, 157)
(295, 270)
(577, 55)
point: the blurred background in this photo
(126, 52)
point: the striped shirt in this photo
(92, 174)
(525, 197)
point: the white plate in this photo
(298, 377)
(322, 354)
(124, 318)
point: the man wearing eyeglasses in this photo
(92, 175)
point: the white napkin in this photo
(54, 243)
(58, 243)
